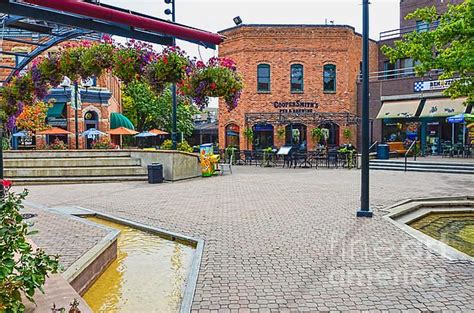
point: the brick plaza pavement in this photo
(288, 239)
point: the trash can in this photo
(155, 173)
(383, 151)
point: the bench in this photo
(397, 147)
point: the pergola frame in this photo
(313, 118)
(44, 28)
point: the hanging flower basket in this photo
(219, 78)
(169, 67)
(70, 63)
(97, 59)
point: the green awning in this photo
(119, 120)
(56, 110)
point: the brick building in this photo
(297, 78)
(100, 104)
(404, 106)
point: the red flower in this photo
(7, 184)
(165, 60)
(213, 86)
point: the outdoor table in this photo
(268, 159)
(303, 157)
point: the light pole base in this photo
(365, 213)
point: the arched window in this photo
(296, 78)
(232, 135)
(263, 78)
(329, 78)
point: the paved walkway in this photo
(288, 239)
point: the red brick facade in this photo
(280, 46)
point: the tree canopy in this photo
(147, 110)
(448, 47)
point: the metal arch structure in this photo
(43, 27)
(314, 118)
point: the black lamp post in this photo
(2, 191)
(76, 118)
(364, 210)
(173, 87)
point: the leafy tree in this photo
(147, 111)
(33, 117)
(449, 47)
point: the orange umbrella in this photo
(54, 131)
(158, 132)
(121, 131)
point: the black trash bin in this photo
(383, 151)
(155, 173)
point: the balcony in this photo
(397, 33)
(400, 73)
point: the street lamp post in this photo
(76, 118)
(364, 210)
(173, 87)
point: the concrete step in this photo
(71, 162)
(422, 169)
(75, 171)
(42, 154)
(76, 180)
(425, 163)
(424, 166)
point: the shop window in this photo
(296, 136)
(262, 136)
(389, 70)
(296, 78)
(263, 78)
(406, 67)
(329, 78)
(232, 135)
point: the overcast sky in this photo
(215, 15)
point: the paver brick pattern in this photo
(287, 240)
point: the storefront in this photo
(424, 120)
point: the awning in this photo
(442, 107)
(56, 110)
(158, 132)
(399, 109)
(54, 131)
(119, 120)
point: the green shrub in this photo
(22, 270)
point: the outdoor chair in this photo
(332, 159)
(226, 166)
(248, 157)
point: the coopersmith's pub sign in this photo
(297, 106)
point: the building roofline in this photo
(293, 25)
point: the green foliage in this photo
(181, 146)
(449, 47)
(127, 64)
(281, 132)
(22, 270)
(316, 134)
(347, 134)
(170, 67)
(148, 111)
(70, 62)
(248, 133)
(58, 145)
(96, 59)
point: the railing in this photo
(405, 72)
(396, 33)
(413, 144)
(373, 145)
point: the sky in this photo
(215, 15)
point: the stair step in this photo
(76, 180)
(426, 170)
(71, 162)
(75, 171)
(450, 164)
(424, 166)
(39, 154)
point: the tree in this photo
(33, 117)
(148, 111)
(449, 47)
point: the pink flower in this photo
(7, 184)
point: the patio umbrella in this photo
(122, 131)
(92, 132)
(145, 135)
(158, 132)
(54, 131)
(21, 133)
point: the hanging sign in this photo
(73, 97)
(297, 106)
